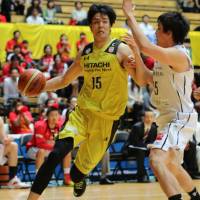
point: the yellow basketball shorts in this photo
(93, 135)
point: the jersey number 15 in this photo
(96, 82)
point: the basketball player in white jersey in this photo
(172, 80)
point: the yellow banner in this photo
(195, 44)
(38, 36)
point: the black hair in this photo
(103, 9)
(145, 16)
(50, 1)
(16, 46)
(47, 45)
(14, 33)
(76, 2)
(82, 33)
(51, 109)
(15, 57)
(25, 41)
(32, 2)
(177, 24)
(63, 34)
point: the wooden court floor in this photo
(118, 191)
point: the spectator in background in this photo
(27, 55)
(82, 42)
(126, 26)
(9, 153)
(187, 5)
(190, 159)
(1, 80)
(142, 134)
(10, 85)
(17, 52)
(148, 29)
(14, 41)
(197, 4)
(59, 67)
(44, 96)
(79, 16)
(14, 62)
(19, 6)
(135, 102)
(2, 18)
(35, 18)
(64, 48)
(20, 118)
(70, 107)
(46, 62)
(6, 9)
(34, 4)
(45, 133)
(50, 12)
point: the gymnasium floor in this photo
(118, 191)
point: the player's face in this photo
(100, 27)
(162, 37)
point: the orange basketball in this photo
(31, 82)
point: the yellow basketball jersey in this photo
(104, 91)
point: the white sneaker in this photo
(15, 183)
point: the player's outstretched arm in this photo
(64, 80)
(168, 56)
(132, 62)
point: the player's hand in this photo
(129, 62)
(128, 7)
(130, 41)
(7, 140)
(196, 94)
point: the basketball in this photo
(31, 82)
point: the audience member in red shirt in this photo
(59, 67)
(64, 48)
(45, 133)
(20, 118)
(80, 44)
(46, 62)
(26, 53)
(14, 62)
(2, 19)
(14, 41)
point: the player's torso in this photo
(105, 81)
(172, 90)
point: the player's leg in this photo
(61, 149)
(159, 160)
(63, 145)
(181, 175)
(91, 151)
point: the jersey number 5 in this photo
(155, 87)
(96, 82)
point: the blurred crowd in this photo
(36, 14)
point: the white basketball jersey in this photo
(172, 90)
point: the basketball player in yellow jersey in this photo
(105, 64)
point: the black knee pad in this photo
(76, 174)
